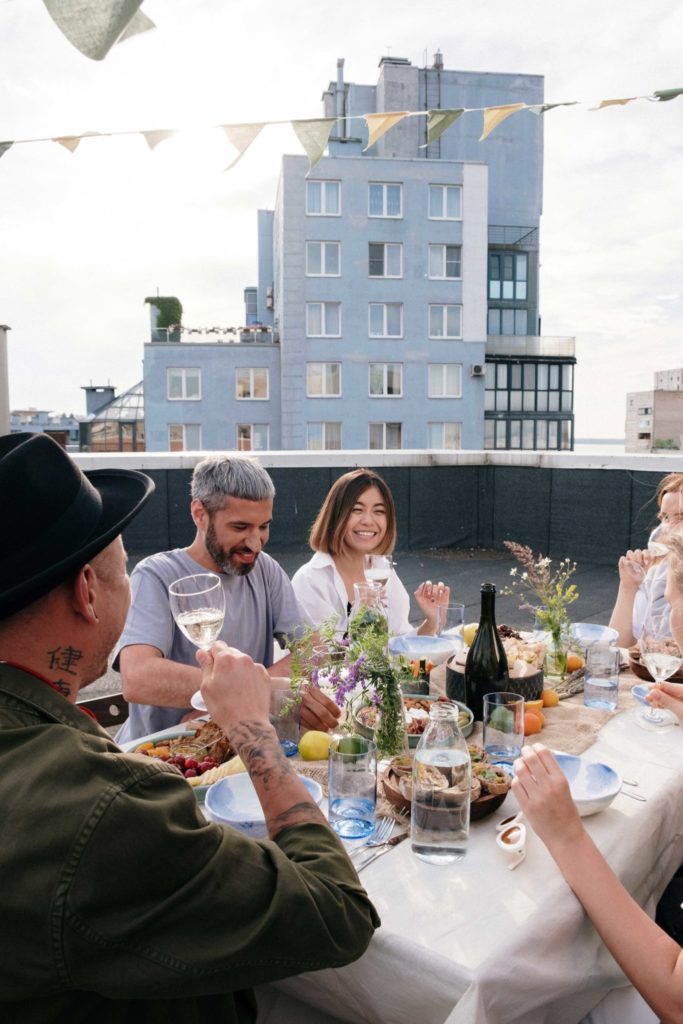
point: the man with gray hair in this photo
(232, 508)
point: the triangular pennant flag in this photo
(138, 24)
(153, 138)
(614, 103)
(72, 142)
(668, 94)
(241, 136)
(493, 116)
(540, 108)
(379, 124)
(4, 146)
(313, 136)
(438, 121)
(92, 26)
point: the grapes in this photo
(187, 765)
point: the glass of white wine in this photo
(377, 569)
(198, 606)
(662, 657)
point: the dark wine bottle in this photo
(486, 668)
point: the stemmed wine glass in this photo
(377, 569)
(198, 607)
(662, 657)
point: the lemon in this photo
(469, 632)
(314, 745)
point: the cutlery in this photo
(634, 796)
(382, 832)
(517, 861)
(394, 841)
(629, 782)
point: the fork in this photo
(379, 836)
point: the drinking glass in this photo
(450, 618)
(284, 715)
(198, 607)
(662, 657)
(601, 680)
(503, 717)
(352, 786)
(377, 569)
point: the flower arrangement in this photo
(356, 668)
(552, 591)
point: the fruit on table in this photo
(469, 632)
(550, 698)
(532, 723)
(574, 662)
(533, 705)
(314, 745)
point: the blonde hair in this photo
(327, 532)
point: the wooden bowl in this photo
(480, 808)
(638, 669)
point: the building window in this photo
(251, 382)
(444, 435)
(445, 262)
(645, 410)
(253, 437)
(508, 275)
(323, 319)
(445, 202)
(323, 437)
(183, 384)
(184, 437)
(386, 380)
(444, 380)
(384, 435)
(444, 322)
(385, 200)
(507, 321)
(386, 320)
(385, 259)
(323, 259)
(323, 380)
(323, 198)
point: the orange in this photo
(532, 723)
(550, 698)
(574, 662)
(533, 705)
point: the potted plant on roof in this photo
(166, 316)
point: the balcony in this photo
(535, 346)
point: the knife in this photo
(394, 841)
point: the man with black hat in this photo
(119, 901)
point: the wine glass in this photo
(377, 569)
(198, 606)
(662, 657)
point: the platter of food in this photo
(201, 754)
(365, 717)
(489, 784)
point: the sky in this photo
(85, 237)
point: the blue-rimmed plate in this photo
(588, 634)
(640, 692)
(436, 649)
(233, 801)
(593, 785)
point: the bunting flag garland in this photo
(314, 133)
(94, 26)
(155, 137)
(438, 121)
(241, 136)
(379, 125)
(493, 116)
(314, 136)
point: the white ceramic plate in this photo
(430, 648)
(593, 785)
(588, 634)
(157, 737)
(233, 801)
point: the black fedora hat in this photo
(53, 517)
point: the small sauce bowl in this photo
(513, 838)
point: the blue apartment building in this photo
(397, 297)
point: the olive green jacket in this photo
(119, 902)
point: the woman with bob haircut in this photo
(358, 518)
(642, 574)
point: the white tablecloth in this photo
(474, 943)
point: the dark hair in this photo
(327, 532)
